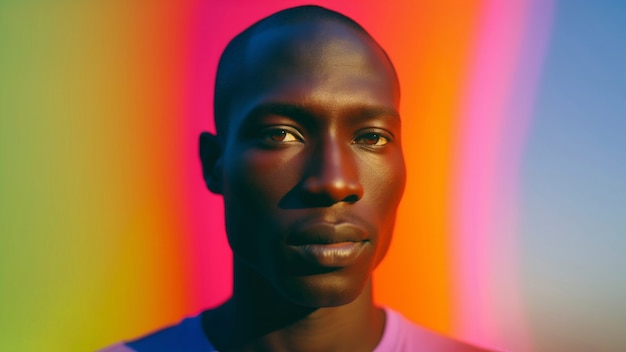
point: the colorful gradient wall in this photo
(513, 129)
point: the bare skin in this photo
(311, 170)
(242, 325)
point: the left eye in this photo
(373, 139)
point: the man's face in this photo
(312, 165)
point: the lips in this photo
(328, 245)
(326, 233)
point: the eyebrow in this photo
(288, 110)
(304, 114)
(371, 112)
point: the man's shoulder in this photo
(404, 335)
(186, 336)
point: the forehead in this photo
(315, 49)
(308, 43)
(325, 63)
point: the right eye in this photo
(280, 135)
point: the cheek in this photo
(254, 184)
(383, 178)
(258, 180)
(384, 181)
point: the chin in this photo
(323, 290)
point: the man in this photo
(309, 161)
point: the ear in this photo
(211, 158)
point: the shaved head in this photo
(309, 28)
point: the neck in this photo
(257, 318)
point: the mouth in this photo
(333, 255)
(328, 245)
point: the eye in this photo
(279, 135)
(372, 139)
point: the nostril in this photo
(317, 199)
(324, 192)
(351, 198)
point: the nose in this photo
(332, 175)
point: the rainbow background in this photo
(511, 234)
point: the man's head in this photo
(307, 153)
